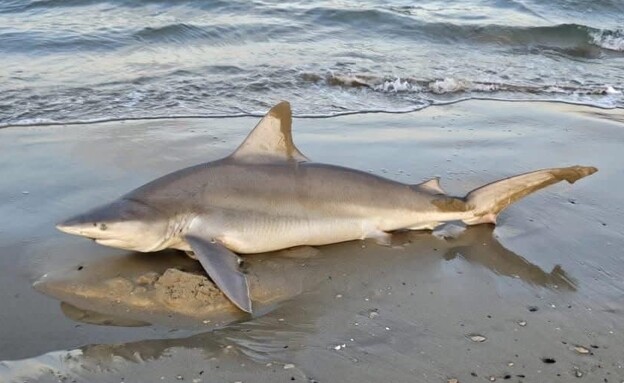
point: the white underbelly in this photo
(285, 233)
(258, 233)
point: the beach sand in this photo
(539, 298)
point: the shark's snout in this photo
(68, 227)
(124, 224)
(82, 226)
(96, 223)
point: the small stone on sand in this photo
(581, 350)
(522, 323)
(478, 338)
(578, 373)
(289, 366)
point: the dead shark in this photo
(267, 196)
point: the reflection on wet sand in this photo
(479, 246)
(133, 290)
(93, 317)
(259, 342)
(244, 347)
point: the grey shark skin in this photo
(268, 196)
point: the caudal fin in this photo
(487, 201)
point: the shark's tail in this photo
(489, 200)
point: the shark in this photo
(267, 195)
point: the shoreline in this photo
(311, 116)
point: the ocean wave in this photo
(119, 59)
(183, 94)
(181, 32)
(272, 25)
(397, 22)
(607, 39)
(450, 85)
(27, 41)
(216, 34)
(509, 23)
(14, 6)
(11, 6)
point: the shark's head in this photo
(124, 224)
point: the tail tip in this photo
(575, 173)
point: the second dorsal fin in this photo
(271, 140)
(432, 186)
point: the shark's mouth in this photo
(111, 242)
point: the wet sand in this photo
(538, 298)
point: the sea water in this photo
(64, 61)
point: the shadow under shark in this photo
(134, 290)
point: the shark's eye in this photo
(103, 226)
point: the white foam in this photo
(449, 85)
(611, 90)
(397, 85)
(134, 98)
(486, 87)
(612, 40)
(555, 89)
(55, 363)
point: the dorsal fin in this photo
(432, 186)
(271, 140)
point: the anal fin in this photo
(222, 266)
(380, 237)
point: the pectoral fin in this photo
(222, 266)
